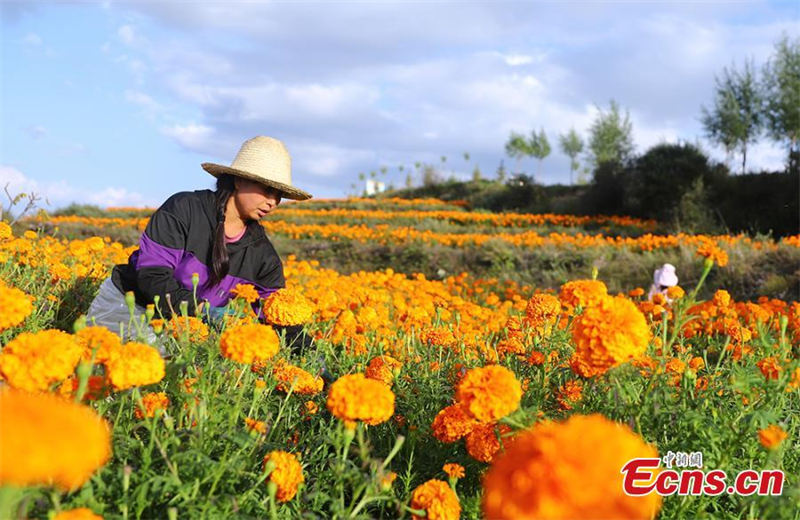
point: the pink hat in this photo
(665, 276)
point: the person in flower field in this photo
(215, 234)
(663, 278)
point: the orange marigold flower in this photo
(288, 307)
(607, 334)
(697, 363)
(484, 441)
(49, 441)
(16, 306)
(286, 475)
(453, 470)
(255, 426)
(536, 358)
(311, 408)
(81, 513)
(567, 469)
(489, 393)
(675, 366)
(437, 499)
(5, 231)
(383, 368)
(249, 343)
(135, 364)
(770, 367)
(713, 253)
(153, 402)
(190, 327)
(32, 361)
(721, 298)
(542, 309)
(772, 436)
(245, 291)
(582, 293)
(635, 293)
(569, 393)
(354, 397)
(675, 292)
(452, 423)
(438, 337)
(300, 381)
(99, 340)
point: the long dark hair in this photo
(219, 252)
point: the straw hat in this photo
(265, 160)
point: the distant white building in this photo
(374, 187)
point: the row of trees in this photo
(610, 139)
(748, 105)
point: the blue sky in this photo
(118, 103)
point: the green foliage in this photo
(693, 213)
(476, 174)
(81, 210)
(517, 147)
(736, 119)
(430, 175)
(759, 202)
(657, 184)
(501, 172)
(572, 145)
(781, 79)
(606, 192)
(539, 147)
(610, 136)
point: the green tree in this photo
(501, 171)
(476, 174)
(781, 82)
(610, 136)
(517, 148)
(736, 119)
(572, 145)
(539, 147)
(430, 177)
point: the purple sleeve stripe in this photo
(153, 254)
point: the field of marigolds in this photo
(561, 393)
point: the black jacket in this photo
(178, 241)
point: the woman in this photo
(214, 234)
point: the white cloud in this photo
(517, 59)
(143, 100)
(32, 39)
(191, 135)
(61, 193)
(339, 90)
(326, 160)
(127, 34)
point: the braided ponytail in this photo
(219, 252)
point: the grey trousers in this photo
(109, 310)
